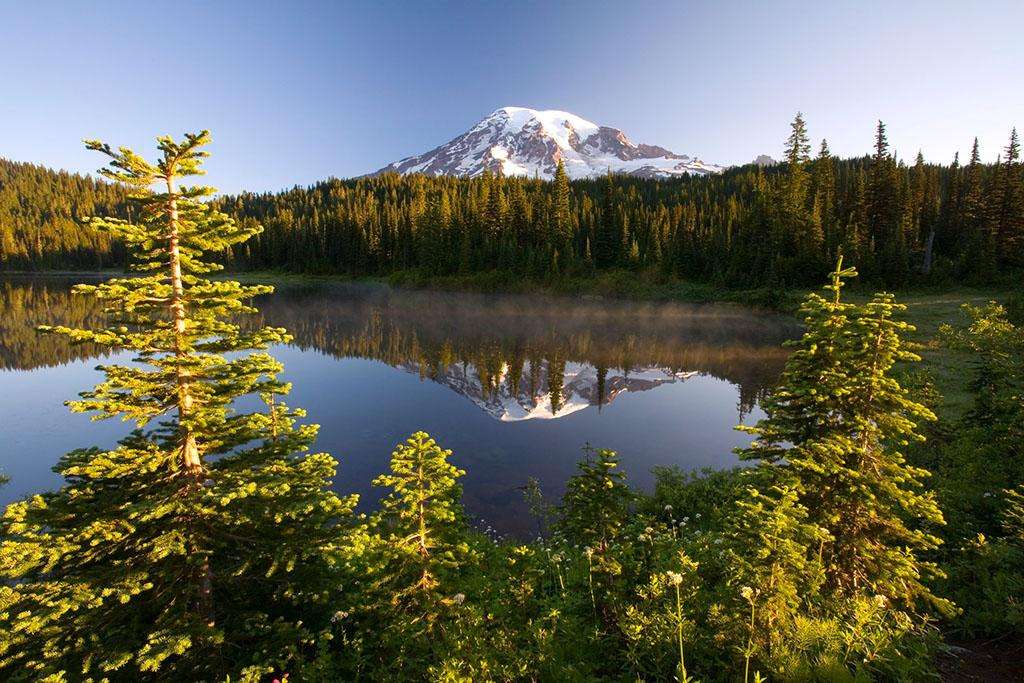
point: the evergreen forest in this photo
(861, 532)
(771, 227)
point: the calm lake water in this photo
(515, 386)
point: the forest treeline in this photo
(750, 226)
(209, 545)
(40, 226)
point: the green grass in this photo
(950, 370)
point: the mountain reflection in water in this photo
(511, 360)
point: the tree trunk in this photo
(189, 451)
(190, 460)
(926, 266)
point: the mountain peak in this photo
(530, 142)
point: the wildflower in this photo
(675, 578)
(338, 616)
(747, 592)
(668, 508)
(459, 598)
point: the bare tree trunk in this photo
(926, 266)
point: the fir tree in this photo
(825, 228)
(606, 242)
(596, 502)
(185, 551)
(1008, 207)
(421, 514)
(562, 217)
(978, 252)
(882, 212)
(834, 434)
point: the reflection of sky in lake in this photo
(373, 367)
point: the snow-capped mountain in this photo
(581, 388)
(528, 142)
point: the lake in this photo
(516, 386)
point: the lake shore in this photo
(927, 308)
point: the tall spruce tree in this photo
(606, 240)
(797, 238)
(185, 551)
(824, 210)
(562, 216)
(882, 212)
(1008, 209)
(834, 434)
(978, 251)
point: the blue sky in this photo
(298, 91)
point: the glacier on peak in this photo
(518, 141)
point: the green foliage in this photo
(986, 575)
(39, 226)
(982, 470)
(202, 543)
(749, 227)
(207, 544)
(596, 502)
(834, 434)
(422, 513)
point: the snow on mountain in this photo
(528, 142)
(581, 388)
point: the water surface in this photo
(516, 386)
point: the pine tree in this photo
(882, 212)
(797, 156)
(797, 236)
(188, 548)
(948, 239)
(496, 208)
(421, 515)
(978, 251)
(606, 241)
(770, 571)
(596, 501)
(562, 217)
(520, 216)
(825, 201)
(834, 433)
(1008, 207)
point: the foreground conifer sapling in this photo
(191, 544)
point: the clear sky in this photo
(298, 91)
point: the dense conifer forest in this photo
(751, 226)
(40, 226)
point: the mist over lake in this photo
(516, 385)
